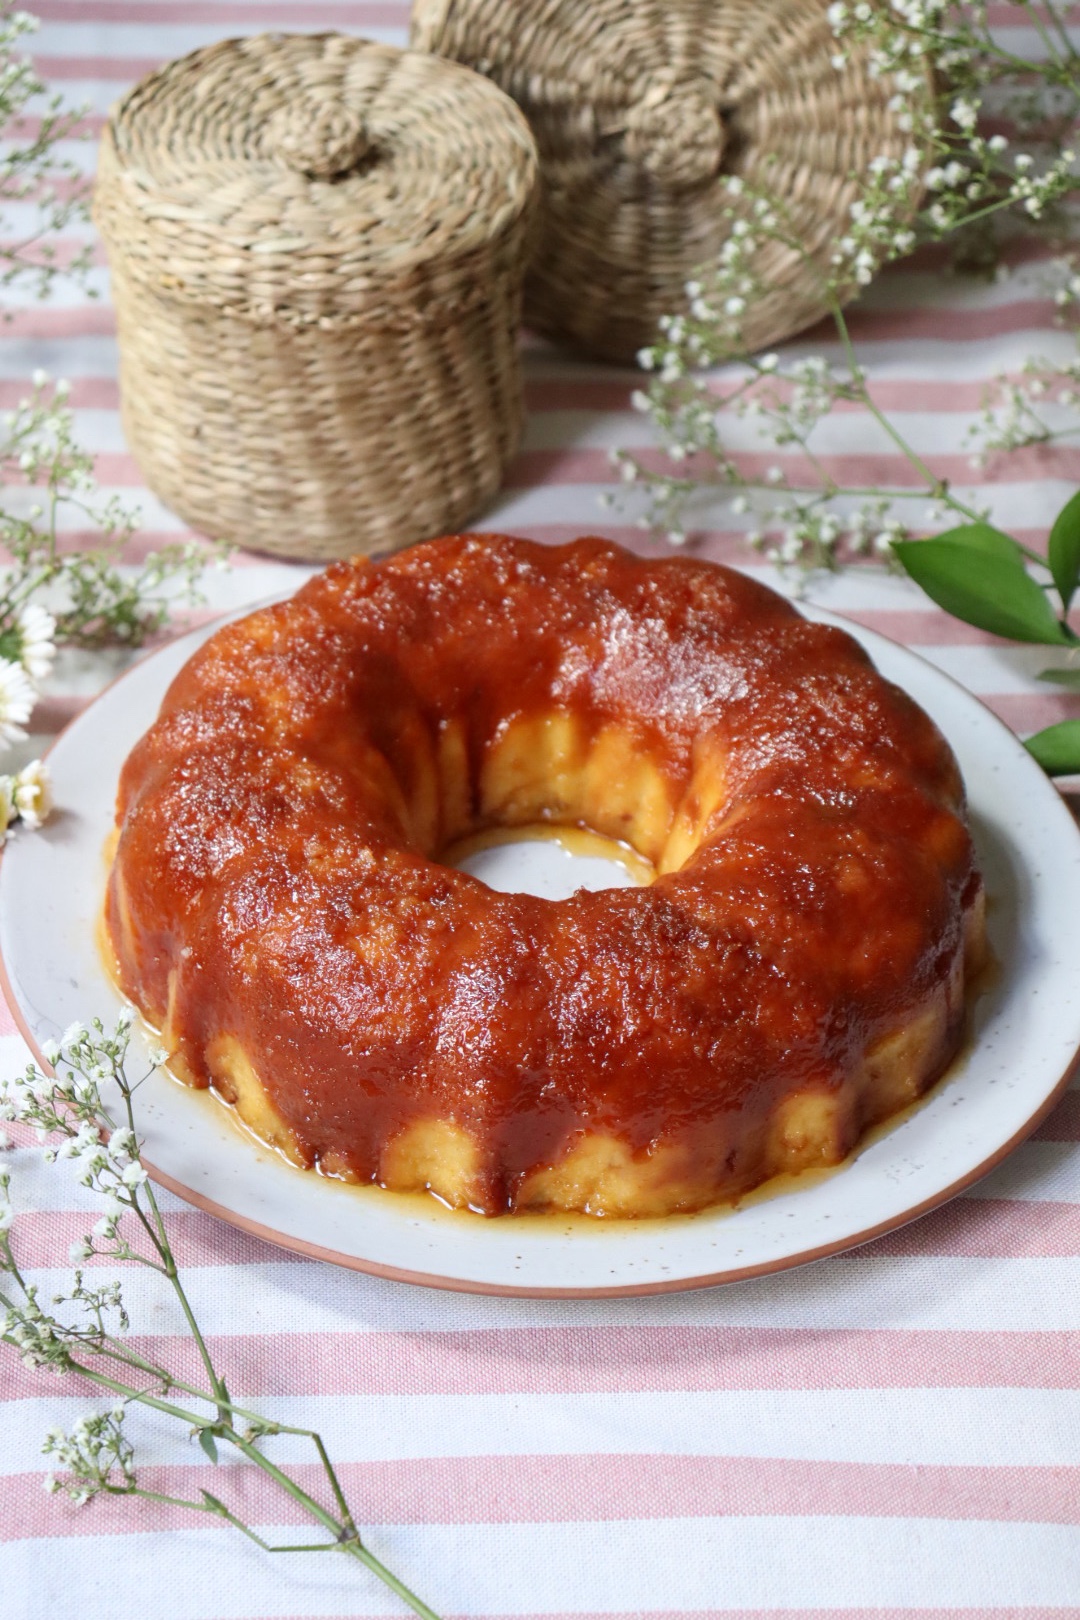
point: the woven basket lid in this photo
(313, 179)
(641, 110)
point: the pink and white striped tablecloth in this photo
(892, 1433)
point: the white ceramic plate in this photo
(1026, 1035)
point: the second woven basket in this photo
(317, 248)
(641, 110)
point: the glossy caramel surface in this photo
(277, 878)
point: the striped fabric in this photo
(894, 1433)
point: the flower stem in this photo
(936, 487)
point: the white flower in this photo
(17, 698)
(122, 1143)
(39, 378)
(36, 632)
(965, 113)
(134, 1175)
(734, 306)
(73, 1034)
(79, 1251)
(33, 794)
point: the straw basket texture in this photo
(641, 109)
(317, 247)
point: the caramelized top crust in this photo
(277, 877)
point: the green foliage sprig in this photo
(980, 575)
(93, 598)
(84, 1112)
(33, 122)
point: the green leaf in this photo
(206, 1440)
(1057, 749)
(980, 581)
(1063, 550)
(981, 537)
(1062, 677)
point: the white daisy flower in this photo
(17, 698)
(33, 794)
(37, 629)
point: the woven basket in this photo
(641, 109)
(317, 247)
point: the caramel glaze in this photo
(277, 873)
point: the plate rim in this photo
(441, 1280)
